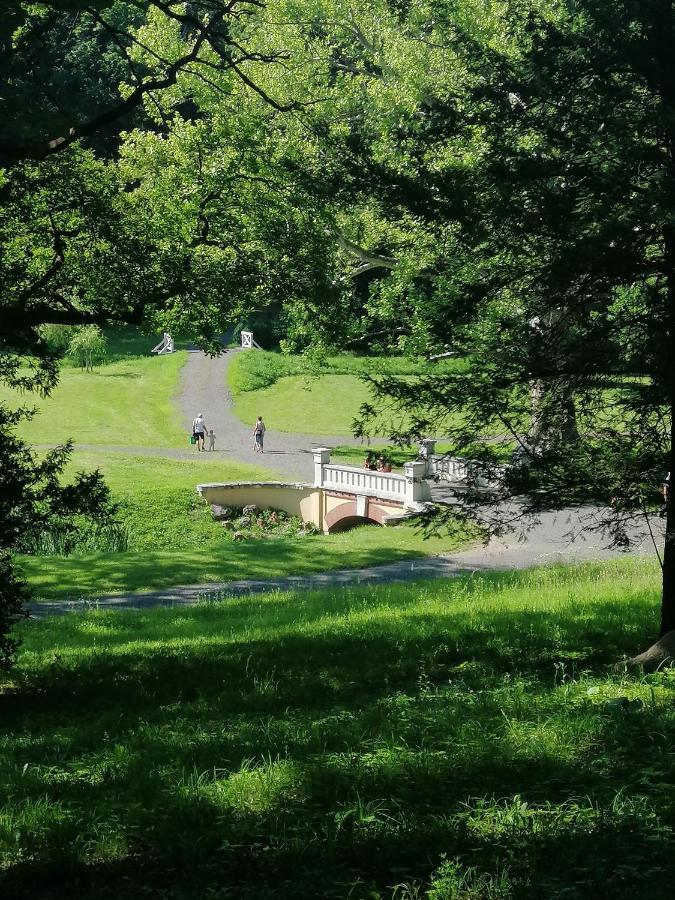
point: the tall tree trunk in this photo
(668, 595)
(552, 421)
(569, 427)
(662, 38)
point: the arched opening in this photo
(347, 522)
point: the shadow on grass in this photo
(336, 744)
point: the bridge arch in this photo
(346, 516)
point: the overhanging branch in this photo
(368, 260)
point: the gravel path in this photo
(204, 389)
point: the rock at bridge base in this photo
(660, 655)
(221, 513)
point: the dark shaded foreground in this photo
(409, 737)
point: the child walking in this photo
(212, 440)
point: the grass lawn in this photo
(452, 740)
(206, 554)
(294, 396)
(172, 538)
(327, 404)
(160, 507)
(128, 402)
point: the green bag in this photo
(193, 439)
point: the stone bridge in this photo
(340, 497)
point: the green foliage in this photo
(33, 501)
(442, 739)
(13, 595)
(60, 541)
(258, 523)
(57, 337)
(87, 345)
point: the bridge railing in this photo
(409, 488)
(459, 469)
(450, 468)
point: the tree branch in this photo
(368, 260)
(14, 151)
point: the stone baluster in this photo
(425, 451)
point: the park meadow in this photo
(337, 447)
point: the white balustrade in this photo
(450, 468)
(409, 489)
(456, 468)
(353, 479)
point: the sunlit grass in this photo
(203, 553)
(294, 396)
(126, 403)
(324, 405)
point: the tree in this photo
(498, 180)
(86, 345)
(545, 174)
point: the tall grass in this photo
(61, 541)
(454, 739)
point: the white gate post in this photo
(321, 458)
(415, 489)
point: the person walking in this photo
(199, 431)
(259, 435)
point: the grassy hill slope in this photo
(126, 401)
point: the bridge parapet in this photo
(461, 471)
(409, 489)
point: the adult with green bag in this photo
(198, 432)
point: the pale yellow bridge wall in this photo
(323, 508)
(296, 500)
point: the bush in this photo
(87, 345)
(63, 541)
(251, 522)
(13, 595)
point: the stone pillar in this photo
(416, 490)
(426, 451)
(321, 458)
